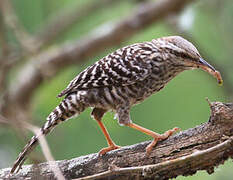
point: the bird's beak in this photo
(210, 69)
(204, 65)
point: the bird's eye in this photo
(185, 56)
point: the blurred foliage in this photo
(182, 103)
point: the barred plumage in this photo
(121, 80)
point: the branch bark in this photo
(201, 148)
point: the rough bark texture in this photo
(201, 148)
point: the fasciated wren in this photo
(120, 80)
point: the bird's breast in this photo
(154, 83)
(112, 96)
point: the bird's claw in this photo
(176, 129)
(159, 138)
(107, 149)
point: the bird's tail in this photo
(68, 108)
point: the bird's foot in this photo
(107, 149)
(159, 138)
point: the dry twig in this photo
(46, 151)
(64, 20)
(26, 41)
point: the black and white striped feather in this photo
(120, 68)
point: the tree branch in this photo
(26, 41)
(46, 151)
(64, 19)
(201, 148)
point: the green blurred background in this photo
(209, 23)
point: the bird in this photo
(120, 80)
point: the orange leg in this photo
(111, 144)
(157, 137)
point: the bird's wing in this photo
(123, 67)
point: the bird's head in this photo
(183, 54)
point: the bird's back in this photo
(123, 67)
